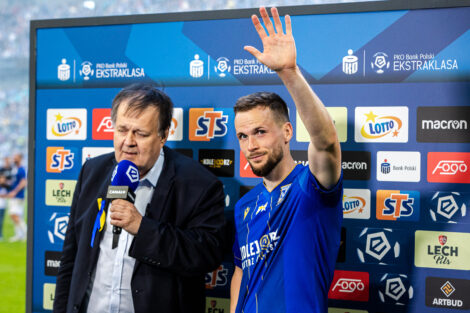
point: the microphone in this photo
(124, 182)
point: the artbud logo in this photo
(395, 289)
(378, 246)
(66, 124)
(448, 207)
(449, 293)
(206, 124)
(447, 250)
(102, 125)
(356, 203)
(59, 159)
(449, 167)
(381, 124)
(348, 285)
(395, 205)
(217, 278)
(58, 223)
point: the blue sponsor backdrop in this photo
(416, 58)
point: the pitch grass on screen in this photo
(12, 272)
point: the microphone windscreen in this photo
(125, 174)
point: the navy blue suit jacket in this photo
(179, 240)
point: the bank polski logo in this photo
(448, 207)
(86, 70)
(223, 67)
(196, 67)
(58, 227)
(380, 62)
(63, 71)
(350, 63)
(376, 247)
(395, 289)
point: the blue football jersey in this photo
(287, 242)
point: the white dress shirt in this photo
(111, 291)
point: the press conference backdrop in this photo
(395, 80)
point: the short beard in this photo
(271, 163)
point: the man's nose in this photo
(252, 143)
(130, 139)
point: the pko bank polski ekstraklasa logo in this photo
(381, 124)
(378, 246)
(66, 124)
(87, 70)
(395, 289)
(382, 62)
(449, 207)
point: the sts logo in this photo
(217, 278)
(395, 204)
(59, 159)
(205, 124)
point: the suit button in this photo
(137, 291)
(89, 274)
(76, 307)
(158, 263)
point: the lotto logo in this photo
(395, 205)
(102, 125)
(446, 167)
(206, 124)
(59, 159)
(347, 285)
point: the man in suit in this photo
(171, 236)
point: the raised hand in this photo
(279, 51)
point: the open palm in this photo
(279, 51)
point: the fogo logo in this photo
(448, 207)
(59, 159)
(65, 124)
(102, 125)
(381, 124)
(206, 124)
(356, 203)
(446, 167)
(395, 204)
(348, 285)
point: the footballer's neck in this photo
(280, 172)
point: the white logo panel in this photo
(356, 203)
(176, 128)
(381, 124)
(91, 152)
(401, 166)
(66, 124)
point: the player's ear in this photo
(287, 131)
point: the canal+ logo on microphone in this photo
(381, 124)
(66, 124)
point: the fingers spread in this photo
(267, 21)
(288, 25)
(259, 28)
(277, 20)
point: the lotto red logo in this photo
(206, 124)
(245, 168)
(102, 125)
(348, 285)
(449, 167)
